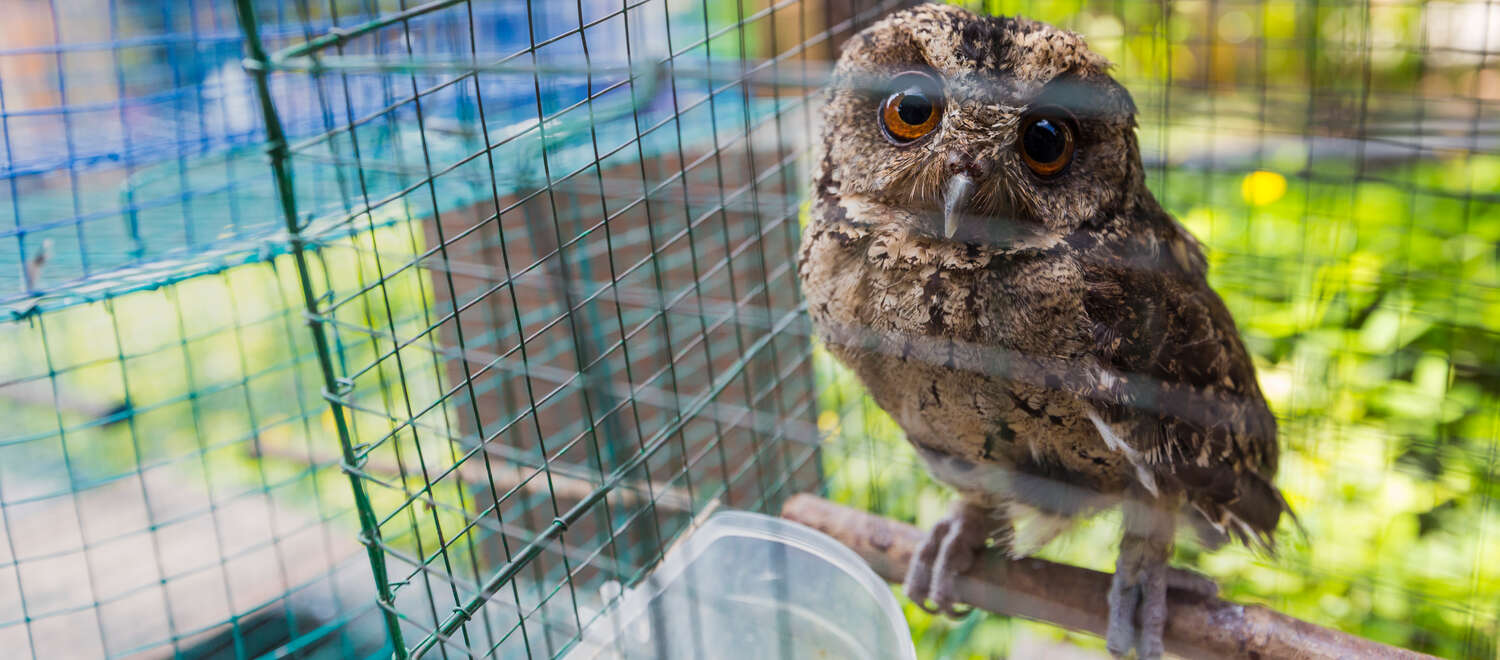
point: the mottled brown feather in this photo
(1069, 310)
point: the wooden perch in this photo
(1074, 597)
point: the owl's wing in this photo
(1178, 389)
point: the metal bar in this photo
(338, 36)
(281, 171)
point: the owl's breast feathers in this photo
(1114, 336)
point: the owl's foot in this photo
(1142, 591)
(1137, 595)
(1138, 591)
(949, 550)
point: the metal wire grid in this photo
(610, 342)
(131, 134)
(135, 514)
(454, 294)
(133, 523)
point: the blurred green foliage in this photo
(1366, 291)
(1254, 47)
(1371, 313)
(1371, 310)
(214, 377)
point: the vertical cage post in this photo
(257, 65)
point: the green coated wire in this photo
(590, 352)
(560, 524)
(723, 216)
(343, 358)
(339, 36)
(442, 540)
(594, 351)
(281, 171)
(660, 299)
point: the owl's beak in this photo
(955, 202)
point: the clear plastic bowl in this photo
(745, 585)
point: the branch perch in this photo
(1074, 598)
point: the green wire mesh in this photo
(509, 303)
(359, 328)
(599, 345)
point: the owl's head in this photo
(977, 129)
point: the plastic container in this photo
(745, 585)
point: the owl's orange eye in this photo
(1047, 141)
(914, 110)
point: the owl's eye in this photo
(1047, 141)
(914, 110)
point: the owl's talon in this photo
(1138, 592)
(1137, 607)
(918, 581)
(1145, 600)
(948, 551)
(1121, 634)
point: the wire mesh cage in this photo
(359, 327)
(524, 274)
(596, 264)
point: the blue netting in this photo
(136, 158)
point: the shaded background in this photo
(562, 282)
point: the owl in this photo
(983, 252)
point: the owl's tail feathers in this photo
(1210, 536)
(1251, 516)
